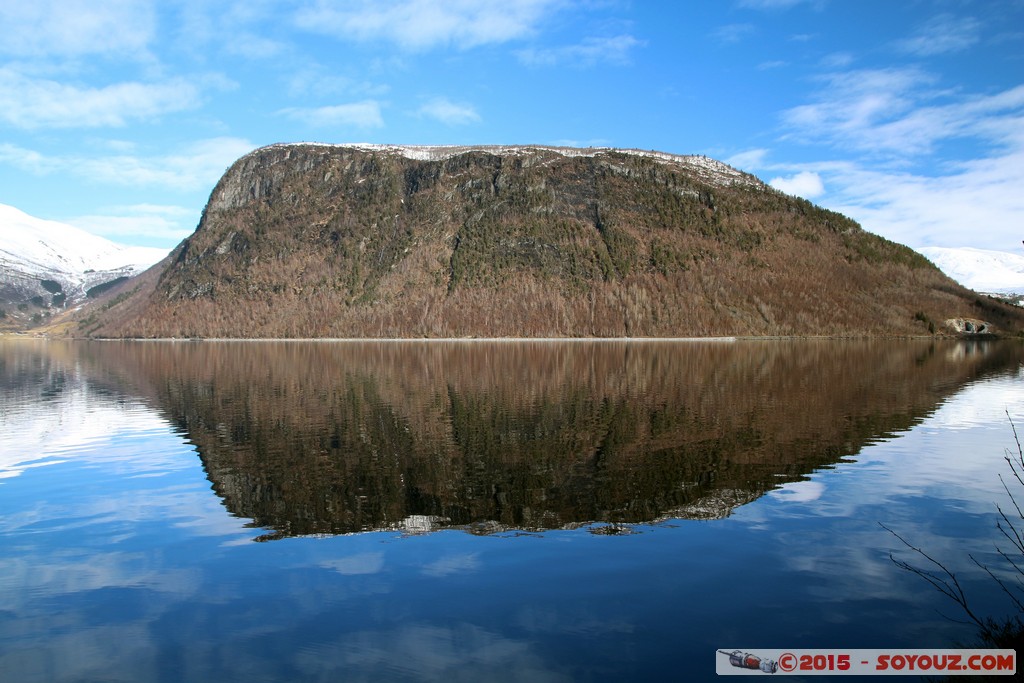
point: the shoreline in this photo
(495, 340)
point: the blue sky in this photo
(119, 116)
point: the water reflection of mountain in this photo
(308, 438)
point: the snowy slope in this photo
(33, 250)
(42, 246)
(996, 272)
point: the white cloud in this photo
(424, 24)
(806, 184)
(901, 177)
(978, 204)
(154, 222)
(196, 166)
(899, 112)
(242, 28)
(854, 103)
(319, 80)
(32, 103)
(365, 114)
(590, 51)
(748, 160)
(68, 28)
(448, 112)
(28, 159)
(942, 34)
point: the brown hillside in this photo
(347, 241)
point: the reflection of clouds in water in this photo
(984, 403)
(25, 577)
(151, 473)
(798, 491)
(928, 485)
(463, 652)
(97, 653)
(353, 565)
(185, 505)
(79, 424)
(453, 564)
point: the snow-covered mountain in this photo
(991, 272)
(46, 265)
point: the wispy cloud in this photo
(978, 201)
(196, 166)
(921, 194)
(317, 79)
(72, 28)
(734, 33)
(365, 114)
(155, 222)
(942, 34)
(424, 24)
(899, 112)
(748, 160)
(33, 103)
(588, 52)
(448, 112)
(241, 28)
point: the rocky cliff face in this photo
(362, 241)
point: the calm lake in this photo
(488, 511)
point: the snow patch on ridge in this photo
(709, 169)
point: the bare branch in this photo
(945, 582)
(1016, 438)
(1015, 538)
(999, 581)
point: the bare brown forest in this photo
(319, 241)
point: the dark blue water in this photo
(487, 512)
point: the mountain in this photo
(46, 266)
(994, 272)
(315, 240)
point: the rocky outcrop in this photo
(970, 327)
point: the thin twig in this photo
(999, 581)
(948, 586)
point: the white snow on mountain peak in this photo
(44, 247)
(33, 250)
(983, 270)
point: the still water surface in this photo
(486, 511)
